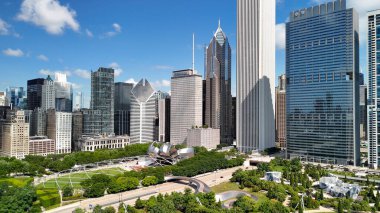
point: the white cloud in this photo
(48, 14)
(4, 27)
(116, 68)
(76, 86)
(116, 30)
(13, 52)
(89, 33)
(161, 83)
(116, 27)
(131, 81)
(83, 73)
(43, 57)
(163, 67)
(280, 36)
(53, 72)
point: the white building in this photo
(206, 137)
(48, 94)
(59, 126)
(143, 112)
(41, 145)
(2, 98)
(92, 143)
(338, 188)
(14, 135)
(186, 104)
(255, 74)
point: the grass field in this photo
(76, 178)
(226, 186)
(19, 181)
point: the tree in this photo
(245, 203)
(109, 209)
(300, 207)
(340, 206)
(96, 190)
(67, 191)
(121, 208)
(139, 204)
(97, 209)
(149, 180)
(79, 210)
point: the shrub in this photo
(149, 181)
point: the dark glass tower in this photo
(122, 108)
(34, 93)
(218, 103)
(322, 70)
(102, 97)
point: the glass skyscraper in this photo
(322, 70)
(63, 93)
(373, 87)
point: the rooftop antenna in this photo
(193, 53)
(219, 23)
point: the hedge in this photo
(48, 197)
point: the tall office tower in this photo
(322, 92)
(14, 135)
(373, 84)
(92, 122)
(204, 97)
(186, 104)
(102, 97)
(78, 101)
(281, 112)
(63, 93)
(218, 110)
(122, 108)
(255, 74)
(77, 127)
(59, 130)
(143, 112)
(34, 93)
(15, 96)
(38, 122)
(164, 119)
(159, 95)
(363, 112)
(48, 94)
(233, 117)
(2, 98)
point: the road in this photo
(130, 197)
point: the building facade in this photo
(2, 99)
(164, 120)
(38, 122)
(218, 101)
(16, 97)
(363, 112)
(122, 108)
(322, 92)
(14, 135)
(78, 101)
(143, 112)
(281, 112)
(255, 94)
(48, 94)
(34, 93)
(41, 145)
(63, 93)
(373, 85)
(102, 97)
(186, 104)
(206, 137)
(59, 126)
(92, 143)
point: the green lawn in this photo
(19, 181)
(226, 186)
(76, 178)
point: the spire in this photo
(219, 23)
(193, 52)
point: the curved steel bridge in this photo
(200, 186)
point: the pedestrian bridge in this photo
(200, 186)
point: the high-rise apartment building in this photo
(373, 85)
(164, 119)
(186, 104)
(63, 93)
(48, 94)
(34, 93)
(281, 112)
(159, 95)
(2, 99)
(38, 122)
(77, 129)
(122, 108)
(102, 97)
(14, 135)
(218, 101)
(59, 126)
(322, 91)
(41, 145)
(255, 94)
(143, 112)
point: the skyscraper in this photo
(38, 122)
(122, 108)
(34, 93)
(322, 70)
(143, 112)
(373, 84)
(164, 119)
(281, 112)
(218, 101)
(59, 126)
(63, 93)
(78, 101)
(16, 97)
(186, 104)
(102, 97)
(2, 98)
(48, 94)
(255, 74)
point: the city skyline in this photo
(119, 36)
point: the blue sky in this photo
(139, 38)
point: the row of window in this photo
(319, 77)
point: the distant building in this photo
(38, 122)
(14, 135)
(59, 126)
(77, 130)
(92, 143)
(63, 93)
(255, 92)
(143, 112)
(186, 104)
(363, 112)
(233, 118)
(206, 137)
(78, 101)
(164, 119)
(122, 108)
(34, 93)
(281, 112)
(16, 97)
(102, 97)
(41, 145)
(2, 99)
(159, 95)
(48, 94)
(92, 121)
